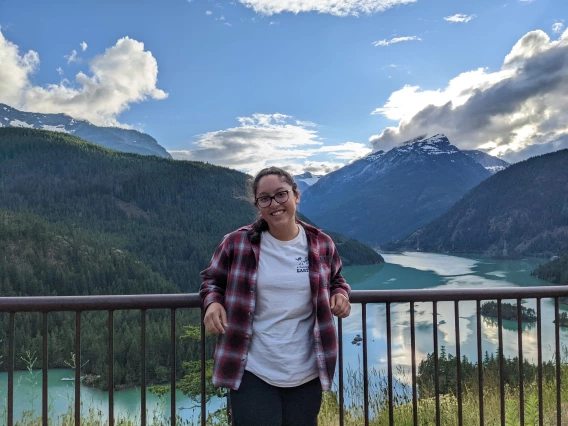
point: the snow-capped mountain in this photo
(491, 163)
(388, 195)
(110, 137)
(305, 180)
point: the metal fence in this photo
(142, 303)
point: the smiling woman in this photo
(270, 293)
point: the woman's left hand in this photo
(340, 306)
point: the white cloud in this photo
(72, 57)
(558, 26)
(332, 7)
(267, 139)
(460, 17)
(83, 46)
(123, 74)
(208, 13)
(59, 70)
(517, 111)
(395, 40)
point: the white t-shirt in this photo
(282, 345)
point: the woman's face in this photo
(278, 216)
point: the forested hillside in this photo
(79, 219)
(170, 214)
(555, 271)
(37, 257)
(520, 211)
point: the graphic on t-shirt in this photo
(302, 264)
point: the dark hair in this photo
(260, 224)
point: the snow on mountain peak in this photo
(435, 145)
(373, 156)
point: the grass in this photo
(378, 405)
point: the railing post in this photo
(11, 366)
(78, 368)
(558, 371)
(203, 396)
(173, 366)
(44, 383)
(539, 344)
(365, 365)
(501, 360)
(111, 368)
(341, 398)
(143, 367)
(458, 360)
(389, 365)
(436, 364)
(479, 363)
(413, 361)
(521, 367)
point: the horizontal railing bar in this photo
(98, 303)
(446, 295)
(175, 301)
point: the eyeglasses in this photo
(280, 197)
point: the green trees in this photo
(508, 312)
(79, 219)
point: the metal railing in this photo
(142, 303)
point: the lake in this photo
(401, 271)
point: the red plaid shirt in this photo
(231, 280)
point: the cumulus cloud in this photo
(558, 26)
(208, 13)
(460, 17)
(72, 57)
(332, 7)
(395, 40)
(123, 74)
(83, 46)
(513, 112)
(266, 139)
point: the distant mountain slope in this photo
(385, 196)
(520, 211)
(169, 214)
(305, 180)
(493, 164)
(110, 137)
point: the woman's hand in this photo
(340, 306)
(215, 319)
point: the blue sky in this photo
(305, 84)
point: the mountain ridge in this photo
(386, 195)
(125, 140)
(520, 211)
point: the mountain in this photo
(520, 211)
(110, 137)
(305, 180)
(385, 196)
(491, 163)
(169, 214)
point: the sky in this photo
(309, 85)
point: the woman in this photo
(270, 293)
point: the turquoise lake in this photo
(401, 271)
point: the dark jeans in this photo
(257, 403)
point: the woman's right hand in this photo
(215, 319)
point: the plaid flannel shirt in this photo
(231, 280)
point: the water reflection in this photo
(424, 270)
